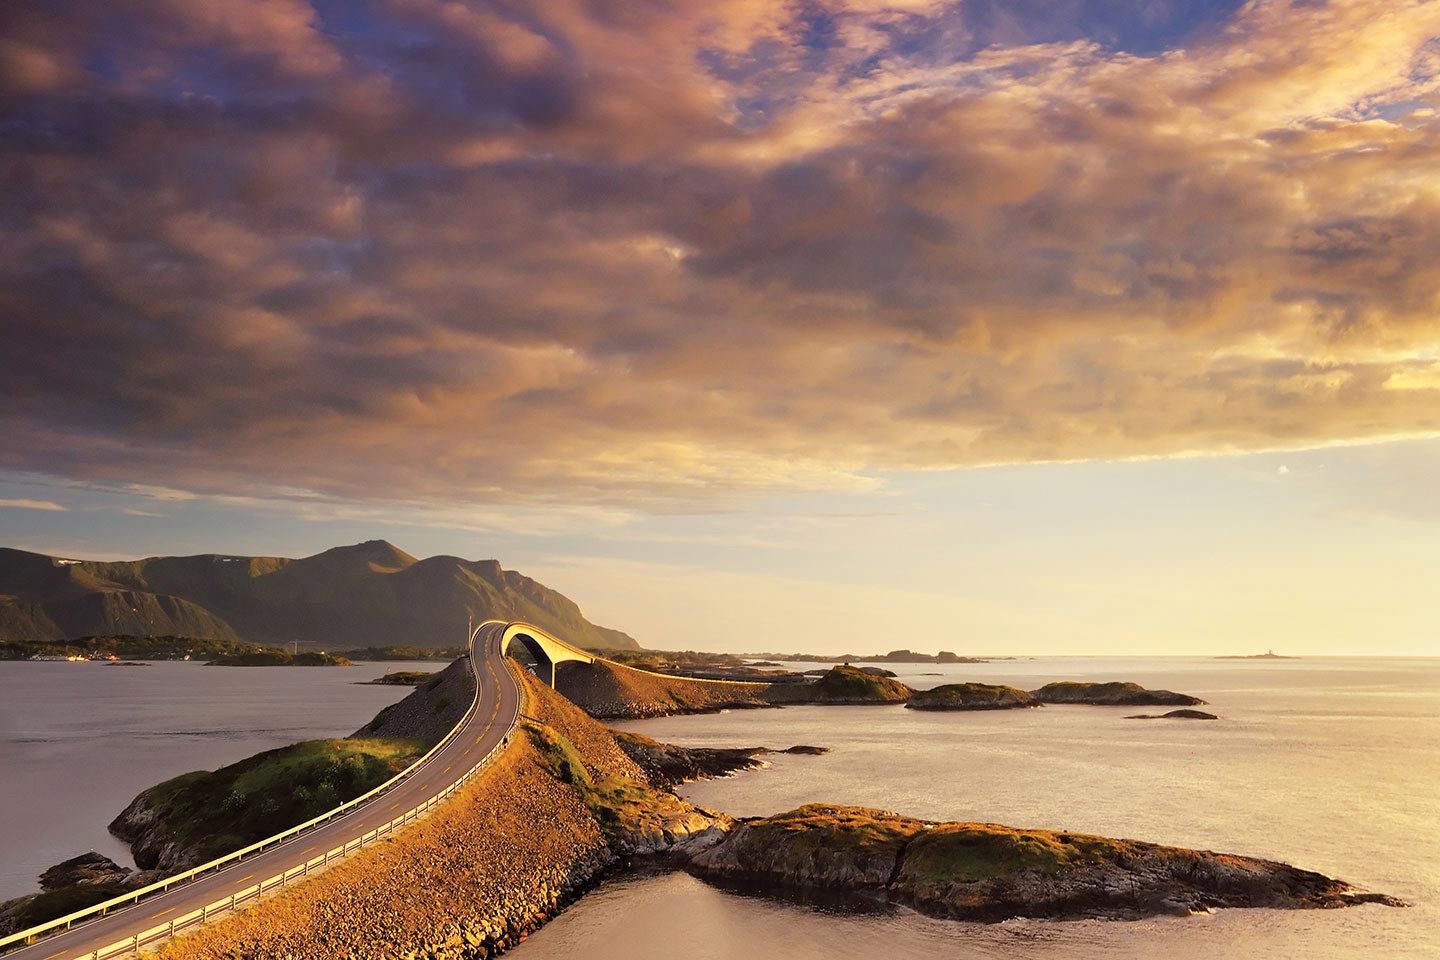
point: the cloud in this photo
(669, 256)
(27, 504)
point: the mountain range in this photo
(368, 594)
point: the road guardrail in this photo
(167, 929)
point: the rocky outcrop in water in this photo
(841, 685)
(1174, 715)
(89, 867)
(972, 696)
(667, 765)
(69, 886)
(1113, 694)
(987, 872)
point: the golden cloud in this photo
(676, 253)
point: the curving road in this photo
(491, 718)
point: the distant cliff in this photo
(369, 594)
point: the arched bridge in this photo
(547, 651)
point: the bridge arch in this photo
(546, 650)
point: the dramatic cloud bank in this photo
(673, 251)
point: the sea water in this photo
(78, 741)
(1329, 764)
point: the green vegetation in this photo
(926, 852)
(276, 657)
(966, 852)
(971, 696)
(127, 647)
(817, 826)
(407, 678)
(403, 653)
(620, 805)
(209, 814)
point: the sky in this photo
(1021, 327)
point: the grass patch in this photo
(818, 826)
(213, 813)
(620, 805)
(966, 852)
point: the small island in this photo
(988, 872)
(972, 696)
(403, 678)
(277, 657)
(1174, 715)
(1114, 694)
(1267, 655)
(841, 684)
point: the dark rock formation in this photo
(971, 696)
(1174, 715)
(988, 872)
(70, 886)
(89, 867)
(1112, 694)
(667, 765)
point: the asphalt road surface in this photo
(499, 698)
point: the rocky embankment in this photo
(987, 872)
(972, 696)
(610, 691)
(428, 713)
(561, 806)
(1114, 694)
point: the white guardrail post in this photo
(169, 929)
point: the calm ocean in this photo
(1329, 764)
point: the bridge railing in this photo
(135, 896)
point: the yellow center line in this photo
(156, 916)
(54, 955)
(244, 878)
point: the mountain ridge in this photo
(366, 594)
